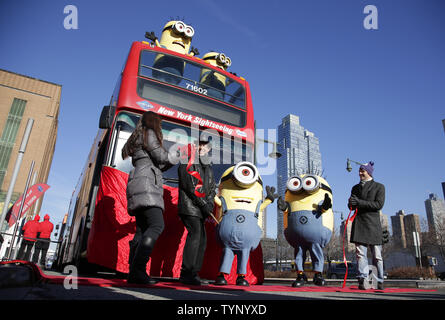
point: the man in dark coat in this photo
(195, 204)
(367, 198)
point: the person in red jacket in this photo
(30, 230)
(42, 245)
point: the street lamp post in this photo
(274, 154)
(348, 164)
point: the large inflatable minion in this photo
(240, 200)
(176, 36)
(215, 81)
(308, 222)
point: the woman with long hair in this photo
(144, 191)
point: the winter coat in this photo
(144, 186)
(189, 203)
(366, 227)
(46, 227)
(31, 228)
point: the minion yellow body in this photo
(240, 202)
(308, 218)
(176, 36)
(215, 80)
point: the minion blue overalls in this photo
(239, 234)
(305, 231)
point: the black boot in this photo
(241, 281)
(221, 280)
(133, 245)
(318, 279)
(138, 267)
(361, 284)
(301, 280)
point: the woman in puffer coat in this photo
(144, 191)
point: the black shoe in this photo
(138, 277)
(190, 280)
(380, 286)
(318, 279)
(361, 284)
(301, 280)
(220, 280)
(202, 281)
(241, 281)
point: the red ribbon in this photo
(190, 152)
(344, 236)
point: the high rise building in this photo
(412, 224)
(398, 228)
(21, 98)
(384, 221)
(403, 227)
(300, 154)
(443, 189)
(435, 213)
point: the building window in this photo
(9, 134)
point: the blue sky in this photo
(366, 94)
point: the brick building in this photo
(21, 98)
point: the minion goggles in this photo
(181, 28)
(309, 183)
(221, 58)
(243, 174)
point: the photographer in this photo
(367, 198)
(194, 206)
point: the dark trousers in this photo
(149, 225)
(25, 250)
(41, 247)
(195, 245)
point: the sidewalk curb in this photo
(400, 283)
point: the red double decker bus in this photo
(99, 228)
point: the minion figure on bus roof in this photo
(215, 81)
(308, 222)
(240, 199)
(176, 36)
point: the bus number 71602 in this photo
(196, 88)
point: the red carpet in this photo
(84, 281)
(180, 286)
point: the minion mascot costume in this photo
(308, 222)
(241, 201)
(176, 36)
(216, 82)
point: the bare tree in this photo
(334, 249)
(434, 239)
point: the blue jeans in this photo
(361, 252)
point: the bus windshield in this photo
(191, 76)
(228, 103)
(225, 151)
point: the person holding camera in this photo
(367, 198)
(195, 204)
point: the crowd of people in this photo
(145, 202)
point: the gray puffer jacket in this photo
(144, 187)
